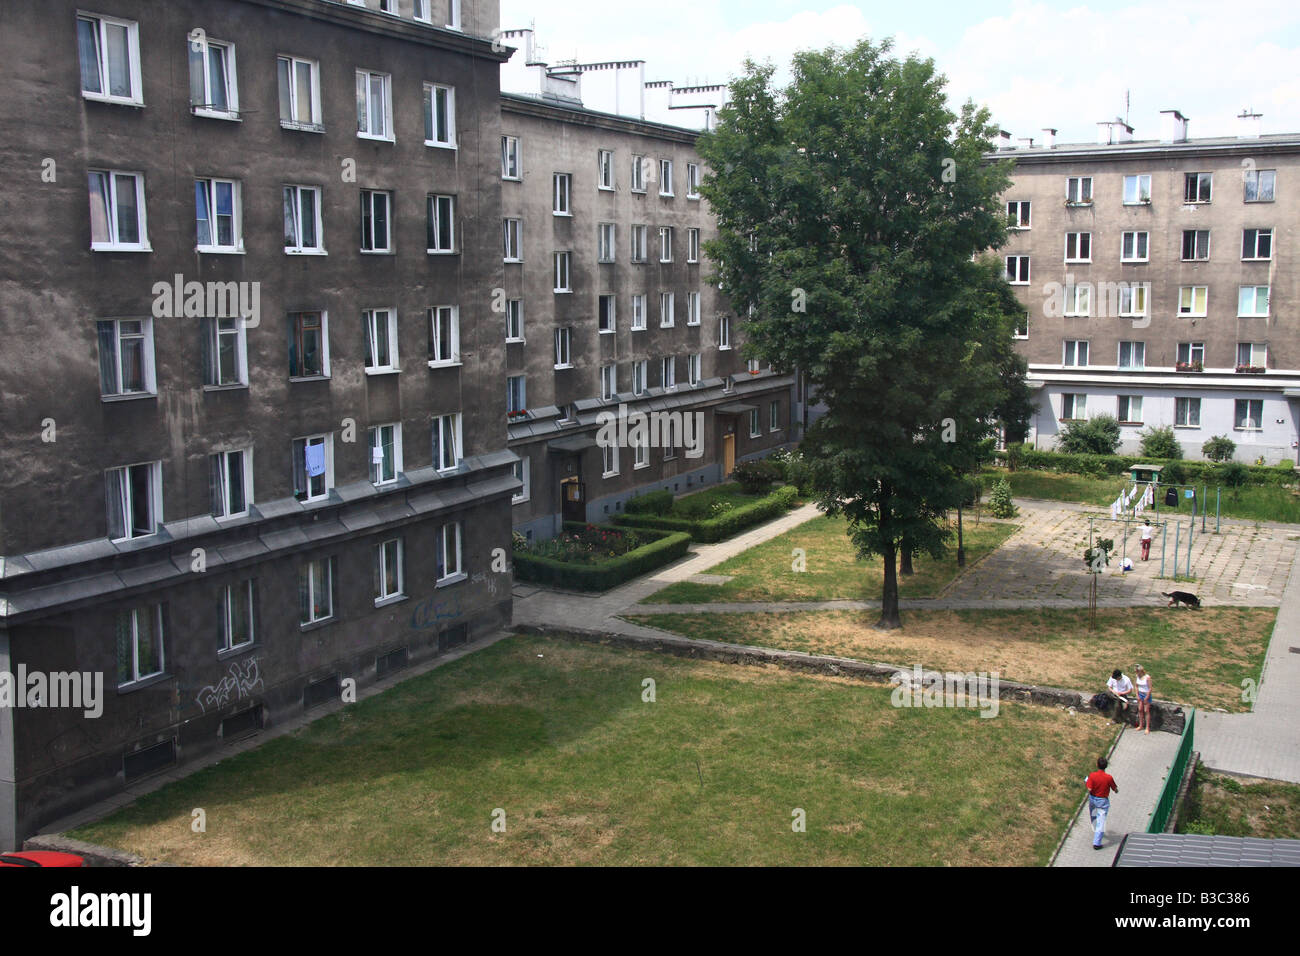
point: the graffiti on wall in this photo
(241, 680)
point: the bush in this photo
(794, 470)
(654, 503)
(1000, 503)
(1219, 448)
(1016, 455)
(1096, 436)
(974, 488)
(660, 548)
(1233, 474)
(709, 529)
(1174, 474)
(1197, 472)
(1161, 443)
(757, 476)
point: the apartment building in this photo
(254, 451)
(1161, 280)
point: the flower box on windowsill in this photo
(522, 415)
(1078, 202)
(1189, 367)
(1250, 369)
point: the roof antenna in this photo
(1126, 104)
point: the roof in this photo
(1194, 849)
(1272, 143)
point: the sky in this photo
(1035, 64)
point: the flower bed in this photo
(596, 557)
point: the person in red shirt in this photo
(1099, 784)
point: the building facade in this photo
(1161, 284)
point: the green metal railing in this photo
(1165, 805)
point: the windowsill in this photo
(316, 625)
(228, 116)
(1191, 315)
(1257, 259)
(305, 252)
(236, 386)
(520, 501)
(1238, 428)
(561, 368)
(226, 653)
(1132, 262)
(143, 682)
(1021, 338)
(724, 348)
(433, 144)
(667, 196)
(1189, 427)
(133, 396)
(1078, 262)
(1256, 200)
(609, 474)
(391, 599)
(1073, 203)
(513, 261)
(448, 581)
(377, 252)
(605, 189)
(1253, 316)
(1136, 424)
(692, 262)
(1010, 282)
(114, 100)
(638, 328)
(512, 179)
(515, 341)
(1137, 202)
(644, 464)
(136, 537)
(639, 192)
(377, 139)
(234, 517)
(218, 251)
(1197, 202)
(692, 325)
(755, 434)
(302, 127)
(1018, 228)
(1072, 419)
(448, 472)
(441, 252)
(670, 325)
(607, 331)
(563, 291)
(1206, 259)
(562, 215)
(604, 262)
(454, 363)
(309, 378)
(693, 198)
(383, 371)
(105, 247)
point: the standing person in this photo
(1143, 681)
(1146, 539)
(1099, 784)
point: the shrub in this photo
(1161, 443)
(1219, 448)
(654, 503)
(1233, 474)
(974, 488)
(1174, 474)
(706, 530)
(1096, 436)
(1016, 455)
(1000, 503)
(794, 470)
(757, 476)
(658, 548)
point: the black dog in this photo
(1182, 597)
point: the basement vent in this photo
(453, 637)
(242, 724)
(392, 661)
(149, 759)
(318, 692)
(1294, 650)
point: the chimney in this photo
(1027, 140)
(1049, 138)
(1105, 133)
(1248, 125)
(1004, 139)
(1173, 127)
(1125, 131)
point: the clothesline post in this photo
(1190, 533)
(1164, 540)
(1177, 529)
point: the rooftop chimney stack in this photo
(1173, 127)
(1125, 131)
(1248, 124)
(1049, 138)
(1003, 140)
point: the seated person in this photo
(1119, 687)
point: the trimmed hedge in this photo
(662, 548)
(1101, 466)
(656, 502)
(729, 523)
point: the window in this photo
(665, 243)
(510, 168)
(453, 14)
(217, 215)
(1248, 414)
(117, 217)
(1252, 301)
(1076, 353)
(1192, 300)
(755, 426)
(375, 232)
(639, 243)
(1078, 300)
(1129, 409)
(1078, 247)
(562, 355)
(512, 228)
(1021, 331)
(605, 168)
(606, 311)
(444, 335)
(389, 571)
(608, 460)
(302, 221)
(299, 93)
(608, 382)
(139, 634)
(1137, 190)
(1252, 355)
(374, 105)
(693, 369)
(1259, 184)
(308, 345)
(671, 438)
(1132, 299)
(752, 366)
(729, 383)
(638, 174)
(1078, 189)
(315, 591)
(692, 181)
(640, 372)
(225, 352)
(446, 442)
(385, 453)
(692, 245)
(1135, 247)
(109, 51)
(665, 177)
(605, 242)
(774, 417)
(448, 556)
(640, 452)
(213, 88)
(420, 10)
(562, 272)
(1132, 354)
(134, 500)
(514, 320)
(667, 310)
(1018, 270)
(1191, 353)
(1196, 187)
(1257, 244)
(126, 357)
(668, 373)
(1018, 214)
(638, 313)
(692, 308)
(516, 394)
(237, 604)
(381, 340)
(313, 467)
(1074, 407)
(230, 483)
(1196, 244)
(563, 182)
(523, 471)
(439, 115)
(441, 231)
(1187, 412)
(724, 332)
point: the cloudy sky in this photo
(1034, 63)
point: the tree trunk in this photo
(905, 558)
(889, 619)
(961, 548)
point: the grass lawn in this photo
(1197, 658)
(1241, 807)
(556, 734)
(764, 572)
(701, 500)
(1257, 503)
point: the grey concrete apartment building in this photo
(1161, 280)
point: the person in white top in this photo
(1146, 539)
(1119, 687)
(1143, 680)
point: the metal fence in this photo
(1165, 805)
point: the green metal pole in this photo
(1177, 529)
(1191, 532)
(1205, 505)
(1164, 540)
(1218, 494)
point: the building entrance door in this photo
(728, 455)
(573, 504)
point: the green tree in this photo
(1095, 436)
(851, 207)
(1161, 443)
(1219, 448)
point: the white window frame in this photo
(213, 330)
(667, 310)
(377, 441)
(1126, 403)
(292, 63)
(368, 199)
(365, 81)
(692, 180)
(1254, 177)
(1074, 349)
(295, 195)
(1077, 406)
(519, 384)
(117, 483)
(693, 364)
(562, 273)
(1185, 409)
(562, 194)
(453, 15)
(231, 111)
(638, 174)
(1017, 270)
(513, 237)
(448, 427)
(375, 323)
(1257, 352)
(114, 243)
(692, 245)
(1196, 245)
(774, 416)
(309, 569)
(724, 333)
(511, 157)
(324, 345)
(1078, 247)
(1136, 241)
(149, 383)
(101, 24)
(209, 185)
(523, 471)
(1137, 355)
(692, 308)
(666, 177)
(641, 453)
(440, 317)
(1078, 190)
(608, 460)
(514, 320)
(755, 424)
(1191, 309)
(390, 557)
(1201, 178)
(327, 478)
(640, 238)
(1016, 332)
(563, 348)
(1247, 420)
(449, 139)
(668, 373)
(422, 11)
(1140, 194)
(607, 321)
(448, 549)
(1019, 212)
(1193, 349)
(608, 382)
(640, 374)
(247, 590)
(605, 169)
(606, 234)
(219, 472)
(1249, 295)
(1259, 234)
(136, 676)
(665, 243)
(1133, 300)
(639, 312)
(437, 207)
(1078, 300)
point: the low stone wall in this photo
(1165, 715)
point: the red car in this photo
(40, 858)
